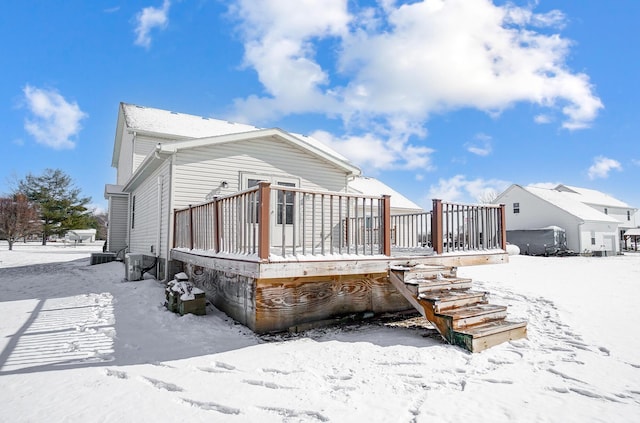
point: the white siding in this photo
(142, 147)
(620, 214)
(147, 225)
(118, 223)
(125, 164)
(536, 213)
(606, 237)
(200, 171)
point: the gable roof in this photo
(164, 150)
(158, 121)
(181, 126)
(371, 186)
(568, 203)
(592, 196)
(305, 143)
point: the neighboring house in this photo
(371, 186)
(81, 235)
(619, 210)
(593, 221)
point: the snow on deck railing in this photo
(286, 221)
(468, 227)
(275, 220)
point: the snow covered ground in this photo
(79, 344)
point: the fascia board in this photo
(260, 133)
(118, 138)
(146, 168)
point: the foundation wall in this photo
(272, 305)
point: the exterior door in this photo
(283, 209)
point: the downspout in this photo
(131, 195)
(170, 222)
(159, 191)
(158, 239)
(581, 250)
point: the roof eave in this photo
(146, 168)
(261, 133)
(118, 140)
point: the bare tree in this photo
(488, 196)
(18, 218)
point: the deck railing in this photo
(301, 222)
(464, 227)
(273, 220)
(411, 230)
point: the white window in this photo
(284, 200)
(516, 208)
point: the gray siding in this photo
(118, 223)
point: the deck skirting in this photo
(272, 305)
(272, 297)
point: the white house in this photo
(593, 221)
(167, 161)
(619, 210)
(81, 235)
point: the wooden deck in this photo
(333, 259)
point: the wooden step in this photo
(440, 284)
(462, 316)
(453, 298)
(408, 272)
(480, 337)
(474, 315)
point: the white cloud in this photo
(372, 153)
(54, 121)
(635, 162)
(602, 166)
(542, 119)
(461, 189)
(279, 44)
(481, 146)
(405, 62)
(148, 19)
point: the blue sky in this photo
(450, 99)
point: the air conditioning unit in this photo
(133, 266)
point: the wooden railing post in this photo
(264, 208)
(217, 224)
(175, 227)
(190, 227)
(386, 225)
(503, 226)
(436, 226)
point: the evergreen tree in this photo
(60, 204)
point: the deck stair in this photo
(461, 315)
